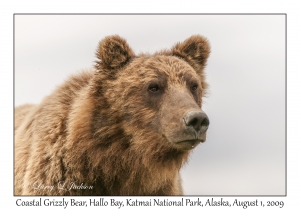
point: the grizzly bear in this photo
(123, 128)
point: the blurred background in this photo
(245, 149)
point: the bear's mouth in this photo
(189, 144)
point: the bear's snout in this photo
(196, 121)
(193, 130)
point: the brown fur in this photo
(106, 129)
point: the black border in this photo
(285, 14)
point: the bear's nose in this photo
(198, 120)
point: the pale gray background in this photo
(245, 150)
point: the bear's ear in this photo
(194, 50)
(113, 52)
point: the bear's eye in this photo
(153, 88)
(194, 88)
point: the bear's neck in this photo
(121, 171)
(114, 165)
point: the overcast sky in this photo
(245, 149)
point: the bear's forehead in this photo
(170, 66)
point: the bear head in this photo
(155, 99)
